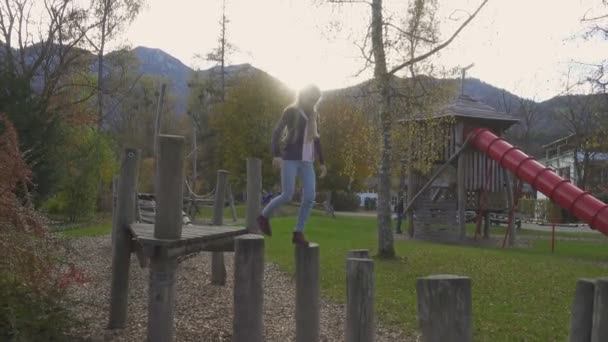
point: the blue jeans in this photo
(289, 171)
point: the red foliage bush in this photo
(34, 271)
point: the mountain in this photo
(159, 63)
(156, 62)
(546, 128)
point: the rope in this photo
(208, 196)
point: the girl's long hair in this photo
(310, 91)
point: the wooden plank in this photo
(190, 234)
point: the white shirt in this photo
(307, 146)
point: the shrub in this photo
(34, 274)
(89, 162)
(345, 201)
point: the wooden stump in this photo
(581, 321)
(599, 331)
(360, 321)
(486, 224)
(121, 239)
(444, 308)
(307, 293)
(358, 254)
(248, 323)
(254, 193)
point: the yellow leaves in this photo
(244, 122)
(349, 143)
(422, 142)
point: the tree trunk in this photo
(382, 78)
(100, 71)
(585, 170)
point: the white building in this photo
(560, 154)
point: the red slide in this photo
(561, 191)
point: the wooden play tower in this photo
(462, 179)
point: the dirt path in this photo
(203, 312)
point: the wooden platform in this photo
(194, 238)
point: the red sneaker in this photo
(264, 225)
(298, 239)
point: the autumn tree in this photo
(385, 51)
(38, 63)
(244, 125)
(349, 146)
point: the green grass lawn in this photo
(518, 294)
(206, 213)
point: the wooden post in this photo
(411, 192)
(486, 224)
(248, 323)
(358, 254)
(581, 321)
(510, 203)
(360, 323)
(231, 201)
(444, 308)
(460, 180)
(157, 120)
(307, 293)
(192, 208)
(121, 239)
(599, 330)
(218, 267)
(254, 192)
(114, 204)
(168, 225)
(220, 198)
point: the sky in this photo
(524, 46)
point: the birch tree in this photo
(383, 50)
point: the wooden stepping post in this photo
(599, 331)
(122, 217)
(307, 293)
(254, 193)
(444, 308)
(360, 321)
(581, 321)
(358, 254)
(218, 267)
(168, 225)
(248, 322)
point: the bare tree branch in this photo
(440, 46)
(409, 34)
(350, 2)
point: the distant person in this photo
(399, 212)
(302, 147)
